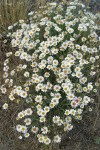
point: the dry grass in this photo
(39, 3)
(13, 10)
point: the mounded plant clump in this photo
(57, 52)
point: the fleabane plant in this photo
(57, 50)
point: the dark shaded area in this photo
(93, 4)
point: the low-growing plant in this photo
(57, 51)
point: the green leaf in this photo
(97, 140)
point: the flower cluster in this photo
(57, 51)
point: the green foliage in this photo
(97, 140)
(57, 53)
